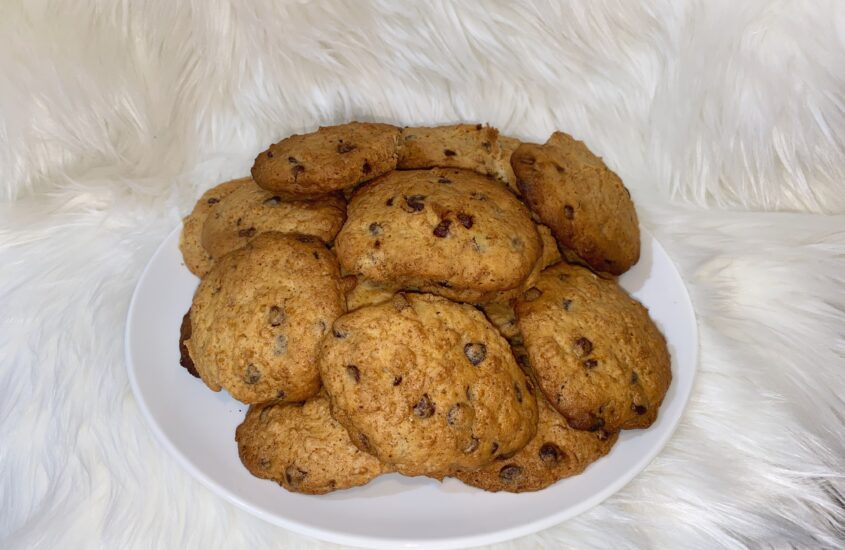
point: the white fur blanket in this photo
(725, 118)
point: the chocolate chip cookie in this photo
(583, 202)
(259, 314)
(556, 452)
(598, 356)
(330, 159)
(427, 385)
(195, 256)
(302, 448)
(250, 210)
(445, 231)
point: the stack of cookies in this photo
(428, 301)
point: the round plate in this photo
(197, 426)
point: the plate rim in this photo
(362, 541)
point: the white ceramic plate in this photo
(197, 426)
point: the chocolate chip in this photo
(247, 232)
(213, 200)
(275, 316)
(415, 203)
(292, 160)
(510, 472)
(424, 407)
(478, 126)
(487, 146)
(295, 476)
(397, 380)
(517, 244)
(269, 154)
(472, 445)
(634, 377)
(568, 212)
(389, 202)
(583, 346)
(316, 255)
(375, 229)
(442, 229)
(476, 352)
(253, 375)
(377, 244)
(550, 453)
(338, 333)
(281, 345)
(364, 440)
(518, 391)
(353, 373)
(275, 200)
(454, 414)
(591, 363)
(345, 147)
(444, 180)
(280, 394)
(298, 169)
(560, 169)
(566, 303)
(494, 448)
(366, 168)
(465, 219)
(532, 294)
(639, 409)
(449, 152)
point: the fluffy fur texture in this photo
(114, 116)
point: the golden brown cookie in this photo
(330, 159)
(596, 353)
(302, 448)
(583, 202)
(250, 210)
(427, 385)
(446, 231)
(259, 314)
(556, 452)
(196, 257)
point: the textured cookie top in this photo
(302, 448)
(250, 210)
(332, 158)
(597, 354)
(584, 203)
(446, 231)
(427, 385)
(195, 255)
(556, 452)
(259, 314)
